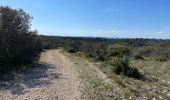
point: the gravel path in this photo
(53, 79)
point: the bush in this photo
(118, 49)
(72, 47)
(136, 57)
(96, 51)
(120, 62)
(163, 59)
(121, 66)
(18, 45)
(71, 50)
(133, 72)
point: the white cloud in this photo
(121, 34)
(159, 32)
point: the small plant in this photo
(136, 57)
(71, 50)
(133, 72)
(162, 58)
(72, 47)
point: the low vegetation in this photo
(115, 52)
(99, 81)
(137, 68)
(142, 49)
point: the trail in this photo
(54, 79)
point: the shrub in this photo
(71, 50)
(141, 52)
(96, 51)
(133, 72)
(18, 45)
(163, 59)
(120, 62)
(118, 49)
(89, 55)
(136, 57)
(72, 47)
(121, 66)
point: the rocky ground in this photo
(53, 79)
(64, 76)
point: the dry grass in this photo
(155, 86)
(95, 85)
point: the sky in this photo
(98, 18)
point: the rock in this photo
(160, 98)
(168, 94)
(144, 97)
(130, 97)
(163, 80)
(153, 98)
(164, 91)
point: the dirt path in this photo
(54, 79)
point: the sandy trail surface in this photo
(53, 79)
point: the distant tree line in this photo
(144, 49)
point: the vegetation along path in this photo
(53, 79)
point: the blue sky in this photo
(101, 18)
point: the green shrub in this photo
(163, 59)
(136, 57)
(71, 50)
(122, 66)
(133, 72)
(89, 55)
(98, 51)
(73, 47)
(120, 61)
(118, 49)
(18, 45)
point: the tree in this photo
(18, 44)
